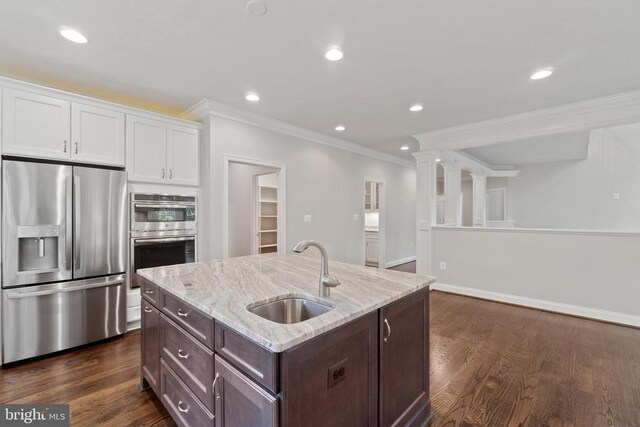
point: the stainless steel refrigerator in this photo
(64, 244)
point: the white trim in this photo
(557, 307)
(471, 164)
(400, 261)
(558, 231)
(93, 101)
(282, 197)
(206, 106)
(579, 116)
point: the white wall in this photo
(590, 272)
(322, 181)
(466, 187)
(240, 208)
(579, 194)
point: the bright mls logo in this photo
(34, 415)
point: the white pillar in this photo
(452, 192)
(479, 199)
(425, 207)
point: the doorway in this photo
(374, 223)
(254, 214)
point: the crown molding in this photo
(596, 113)
(471, 164)
(208, 107)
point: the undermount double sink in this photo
(288, 310)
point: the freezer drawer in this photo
(37, 320)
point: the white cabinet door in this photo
(35, 125)
(146, 150)
(183, 161)
(97, 135)
(371, 252)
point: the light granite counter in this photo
(224, 288)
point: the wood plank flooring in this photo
(100, 382)
(491, 365)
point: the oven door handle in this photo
(161, 206)
(163, 240)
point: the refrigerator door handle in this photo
(80, 287)
(76, 223)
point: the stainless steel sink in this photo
(290, 310)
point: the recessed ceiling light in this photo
(334, 54)
(542, 74)
(340, 128)
(72, 35)
(404, 147)
(257, 8)
(437, 160)
(416, 107)
(253, 97)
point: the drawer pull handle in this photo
(387, 333)
(149, 291)
(182, 313)
(182, 354)
(147, 310)
(215, 380)
(182, 407)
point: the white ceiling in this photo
(465, 60)
(554, 148)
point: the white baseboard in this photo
(399, 262)
(557, 307)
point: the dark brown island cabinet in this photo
(372, 371)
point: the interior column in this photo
(425, 207)
(479, 199)
(452, 192)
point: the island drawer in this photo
(190, 360)
(191, 319)
(148, 290)
(184, 407)
(253, 360)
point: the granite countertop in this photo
(224, 289)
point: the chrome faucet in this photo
(326, 281)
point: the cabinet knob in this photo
(147, 310)
(76, 147)
(183, 407)
(170, 173)
(65, 145)
(162, 172)
(149, 291)
(182, 354)
(182, 313)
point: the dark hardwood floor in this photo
(100, 382)
(491, 365)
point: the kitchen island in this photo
(216, 352)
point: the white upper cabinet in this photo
(42, 123)
(97, 135)
(158, 152)
(35, 125)
(183, 155)
(146, 150)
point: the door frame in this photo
(382, 244)
(281, 170)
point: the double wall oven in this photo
(163, 231)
